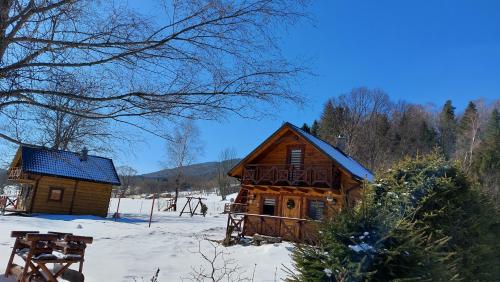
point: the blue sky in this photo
(417, 51)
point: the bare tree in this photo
(360, 116)
(183, 148)
(196, 59)
(218, 265)
(127, 176)
(61, 130)
(227, 159)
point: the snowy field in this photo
(127, 250)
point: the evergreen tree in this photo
(467, 137)
(486, 162)
(423, 220)
(447, 125)
(315, 128)
(306, 128)
(428, 135)
(327, 123)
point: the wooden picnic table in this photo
(39, 250)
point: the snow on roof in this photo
(68, 164)
(340, 157)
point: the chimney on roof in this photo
(85, 154)
(342, 142)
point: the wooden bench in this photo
(37, 250)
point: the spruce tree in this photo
(447, 126)
(315, 128)
(422, 220)
(486, 162)
(428, 136)
(327, 123)
(306, 128)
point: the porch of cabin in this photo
(291, 213)
(18, 203)
(288, 228)
(284, 200)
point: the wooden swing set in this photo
(192, 211)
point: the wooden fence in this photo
(8, 204)
(289, 229)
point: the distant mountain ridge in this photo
(200, 171)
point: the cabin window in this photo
(269, 206)
(55, 194)
(316, 209)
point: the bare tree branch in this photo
(204, 59)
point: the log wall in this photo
(278, 152)
(79, 197)
(301, 197)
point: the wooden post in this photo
(73, 197)
(187, 202)
(152, 207)
(195, 207)
(116, 215)
(34, 194)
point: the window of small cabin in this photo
(55, 194)
(316, 209)
(269, 206)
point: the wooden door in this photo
(291, 207)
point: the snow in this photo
(363, 247)
(127, 249)
(10, 190)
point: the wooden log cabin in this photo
(290, 181)
(61, 182)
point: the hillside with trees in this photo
(368, 125)
(199, 176)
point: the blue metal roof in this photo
(68, 164)
(337, 155)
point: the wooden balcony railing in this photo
(235, 208)
(287, 228)
(288, 175)
(15, 173)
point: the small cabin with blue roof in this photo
(291, 179)
(62, 182)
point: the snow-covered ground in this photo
(127, 250)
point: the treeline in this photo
(376, 131)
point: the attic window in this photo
(296, 156)
(55, 194)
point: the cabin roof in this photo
(343, 160)
(67, 164)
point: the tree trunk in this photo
(176, 196)
(177, 186)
